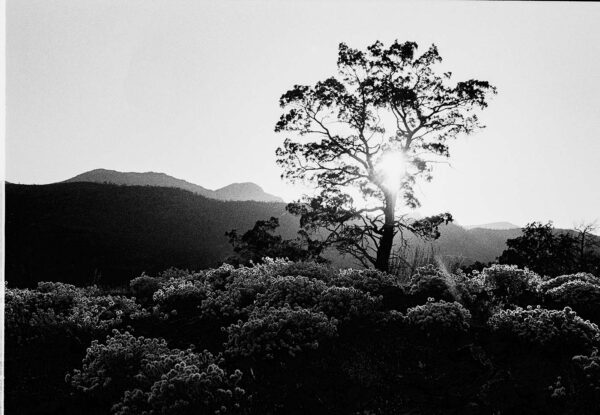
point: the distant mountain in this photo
(235, 191)
(494, 225)
(245, 191)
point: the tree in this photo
(547, 251)
(542, 249)
(588, 247)
(261, 241)
(363, 139)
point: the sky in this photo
(191, 89)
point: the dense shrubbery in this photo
(506, 284)
(138, 375)
(272, 333)
(439, 317)
(579, 291)
(296, 338)
(562, 330)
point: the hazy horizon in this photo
(191, 89)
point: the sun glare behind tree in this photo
(392, 167)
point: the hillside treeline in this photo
(303, 338)
(86, 233)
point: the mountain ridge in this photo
(235, 191)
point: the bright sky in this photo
(190, 88)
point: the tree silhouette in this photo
(541, 249)
(261, 241)
(363, 139)
(551, 252)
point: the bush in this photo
(279, 332)
(582, 295)
(31, 313)
(430, 282)
(560, 280)
(104, 312)
(346, 303)
(560, 330)
(138, 375)
(112, 367)
(439, 317)
(237, 300)
(180, 297)
(507, 284)
(291, 291)
(220, 278)
(175, 273)
(305, 269)
(588, 379)
(367, 280)
(144, 287)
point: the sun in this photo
(392, 167)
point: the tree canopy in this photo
(550, 252)
(365, 137)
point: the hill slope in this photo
(73, 232)
(235, 191)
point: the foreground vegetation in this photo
(301, 338)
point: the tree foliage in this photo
(546, 251)
(261, 241)
(366, 136)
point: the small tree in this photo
(588, 247)
(541, 249)
(374, 130)
(261, 241)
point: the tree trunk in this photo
(382, 263)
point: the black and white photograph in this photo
(262, 207)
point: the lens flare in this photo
(392, 169)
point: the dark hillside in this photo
(75, 232)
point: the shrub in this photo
(220, 278)
(104, 312)
(507, 284)
(30, 313)
(291, 290)
(560, 280)
(112, 367)
(272, 332)
(439, 316)
(151, 378)
(588, 378)
(367, 280)
(346, 303)
(552, 329)
(144, 287)
(175, 273)
(583, 296)
(180, 297)
(237, 301)
(305, 269)
(430, 282)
